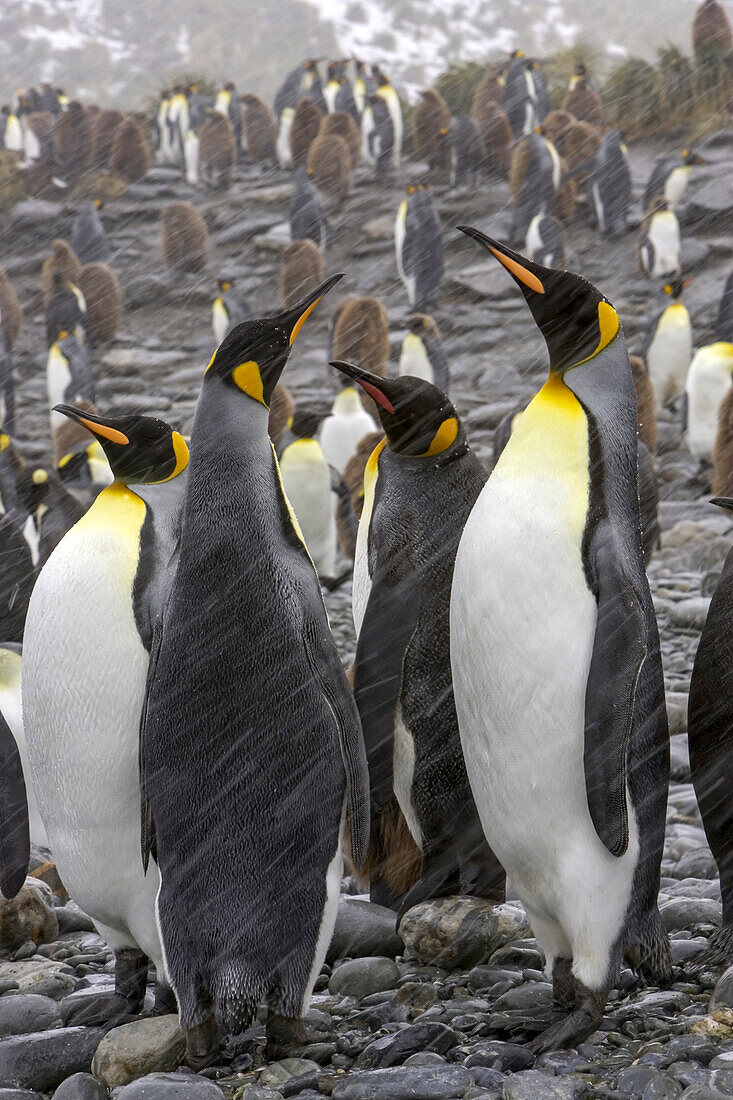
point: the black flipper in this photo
(322, 657)
(15, 841)
(390, 621)
(619, 649)
(148, 840)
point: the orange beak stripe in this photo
(520, 272)
(106, 433)
(301, 320)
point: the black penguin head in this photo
(674, 288)
(690, 158)
(253, 355)
(516, 55)
(304, 423)
(140, 449)
(576, 320)
(225, 284)
(417, 417)
(580, 68)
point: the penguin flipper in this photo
(15, 841)
(389, 623)
(619, 650)
(334, 686)
(148, 839)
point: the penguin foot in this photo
(105, 1010)
(563, 984)
(286, 1035)
(202, 1044)
(575, 1027)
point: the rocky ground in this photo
(438, 1011)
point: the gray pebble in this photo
(81, 1086)
(360, 977)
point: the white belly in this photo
(219, 321)
(192, 158)
(12, 712)
(307, 485)
(84, 670)
(284, 155)
(533, 243)
(340, 435)
(414, 360)
(664, 233)
(58, 379)
(708, 382)
(670, 354)
(676, 185)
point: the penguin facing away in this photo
(518, 98)
(88, 238)
(16, 817)
(422, 354)
(609, 184)
(420, 484)
(710, 725)
(306, 478)
(308, 219)
(97, 598)
(668, 344)
(68, 376)
(419, 247)
(570, 705)
(279, 718)
(724, 319)
(708, 382)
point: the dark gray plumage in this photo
(724, 320)
(420, 251)
(609, 184)
(308, 219)
(88, 239)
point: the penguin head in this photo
(253, 355)
(418, 419)
(304, 423)
(422, 324)
(575, 319)
(225, 284)
(141, 450)
(674, 288)
(580, 68)
(690, 158)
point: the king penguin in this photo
(308, 219)
(85, 661)
(230, 308)
(347, 425)
(419, 247)
(708, 381)
(261, 709)
(710, 726)
(386, 92)
(17, 818)
(670, 176)
(668, 344)
(609, 184)
(307, 483)
(556, 662)
(659, 242)
(422, 354)
(420, 485)
(519, 99)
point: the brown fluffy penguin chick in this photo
(98, 283)
(129, 157)
(329, 166)
(579, 142)
(301, 270)
(281, 410)
(11, 311)
(184, 237)
(304, 130)
(42, 123)
(646, 409)
(490, 90)
(496, 139)
(392, 857)
(72, 139)
(62, 259)
(361, 336)
(584, 103)
(105, 126)
(723, 449)
(554, 126)
(711, 28)
(342, 125)
(566, 196)
(260, 128)
(217, 150)
(430, 117)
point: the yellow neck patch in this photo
(247, 377)
(444, 438)
(4, 442)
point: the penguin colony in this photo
(506, 635)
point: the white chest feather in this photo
(284, 155)
(341, 432)
(670, 352)
(414, 359)
(664, 233)
(362, 585)
(191, 151)
(708, 382)
(676, 184)
(58, 379)
(307, 482)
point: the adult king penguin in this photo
(15, 849)
(422, 354)
(230, 308)
(710, 725)
(419, 247)
(420, 485)
(556, 663)
(306, 478)
(247, 820)
(668, 344)
(670, 176)
(85, 661)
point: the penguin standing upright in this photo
(306, 480)
(165, 152)
(364, 85)
(18, 812)
(88, 238)
(18, 549)
(670, 176)
(609, 184)
(466, 150)
(69, 377)
(659, 245)
(386, 92)
(378, 134)
(342, 431)
(710, 726)
(334, 72)
(283, 149)
(420, 484)
(422, 354)
(308, 219)
(708, 382)
(556, 662)
(227, 104)
(191, 151)
(304, 130)
(519, 101)
(544, 243)
(11, 321)
(85, 660)
(534, 180)
(66, 309)
(248, 893)
(668, 344)
(419, 247)
(583, 102)
(345, 100)
(230, 308)
(543, 105)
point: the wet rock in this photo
(170, 1086)
(711, 205)
(22, 1094)
(35, 212)
(633, 1081)
(679, 758)
(459, 932)
(393, 1050)
(694, 1048)
(687, 912)
(80, 1086)
(143, 1047)
(722, 996)
(662, 1087)
(404, 1083)
(28, 916)
(278, 1072)
(530, 1084)
(44, 1060)
(525, 996)
(360, 977)
(507, 1057)
(27, 1013)
(718, 1025)
(362, 930)
(72, 919)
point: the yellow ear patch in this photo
(301, 320)
(608, 326)
(668, 289)
(39, 476)
(180, 450)
(518, 271)
(105, 431)
(4, 442)
(247, 377)
(444, 438)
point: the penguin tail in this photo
(650, 954)
(236, 999)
